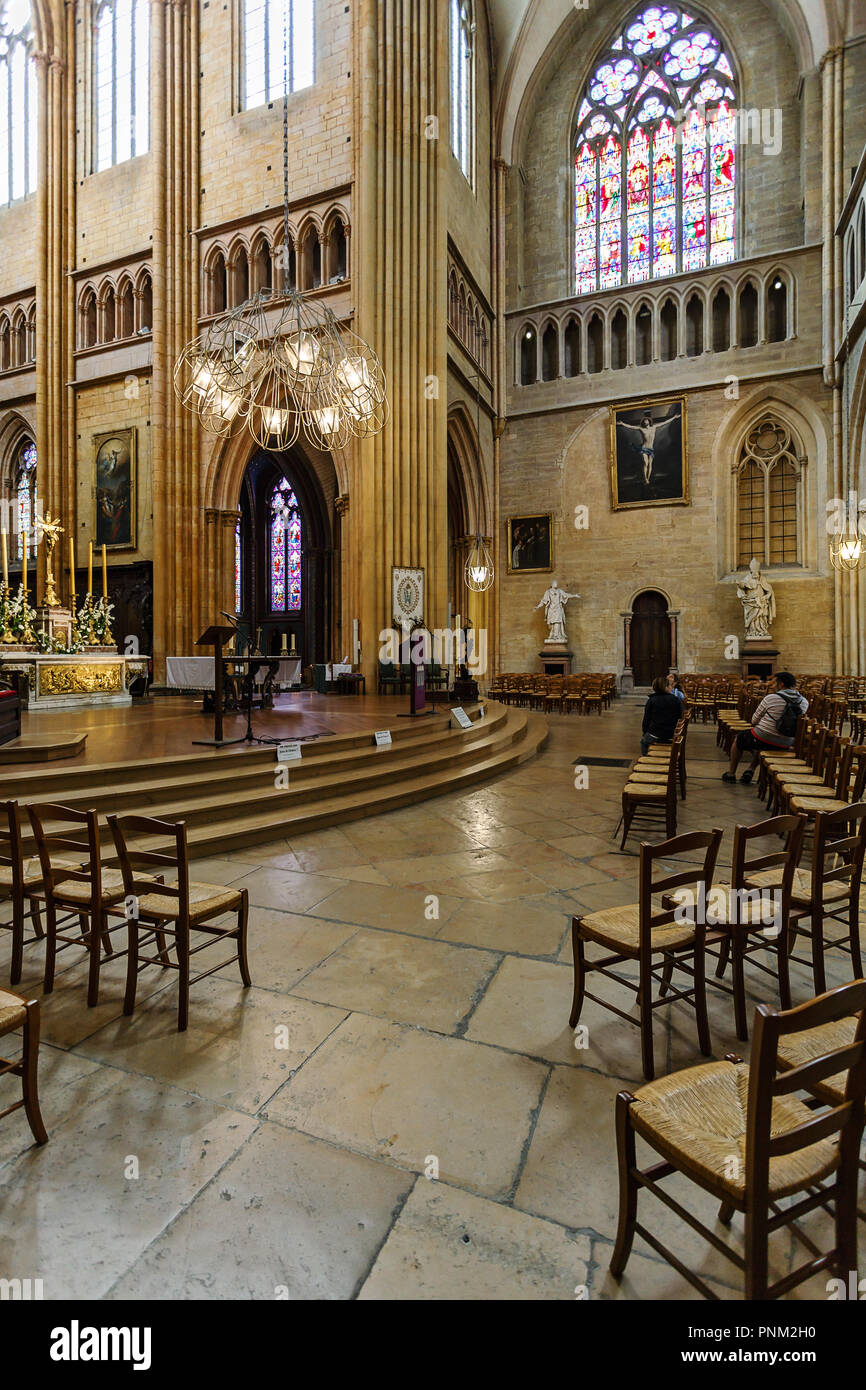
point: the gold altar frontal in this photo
(94, 677)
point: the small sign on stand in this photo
(382, 737)
(288, 752)
(460, 719)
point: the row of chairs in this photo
(165, 917)
(654, 782)
(581, 694)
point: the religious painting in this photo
(530, 544)
(407, 595)
(115, 490)
(649, 465)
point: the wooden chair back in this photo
(11, 848)
(63, 833)
(155, 859)
(837, 851)
(745, 863)
(766, 1082)
(668, 888)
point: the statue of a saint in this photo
(554, 603)
(759, 603)
(51, 533)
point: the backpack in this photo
(788, 720)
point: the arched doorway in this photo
(651, 639)
(283, 551)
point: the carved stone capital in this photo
(341, 504)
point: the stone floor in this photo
(396, 1109)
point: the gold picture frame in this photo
(649, 469)
(523, 532)
(115, 490)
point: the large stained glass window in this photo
(121, 79)
(285, 550)
(238, 585)
(27, 500)
(18, 117)
(462, 91)
(656, 154)
(279, 38)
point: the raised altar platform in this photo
(77, 680)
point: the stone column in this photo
(399, 259)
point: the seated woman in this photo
(661, 715)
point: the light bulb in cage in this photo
(846, 550)
(479, 567)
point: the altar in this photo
(75, 680)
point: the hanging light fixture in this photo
(846, 544)
(479, 569)
(280, 364)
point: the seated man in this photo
(661, 715)
(774, 725)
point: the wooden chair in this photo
(832, 783)
(573, 694)
(829, 890)
(849, 788)
(642, 932)
(655, 759)
(814, 764)
(798, 754)
(67, 837)
(654, 800)
(746, 930)
(16, 1013)
(593, 697)
(700, 1119)
(173, 910)
(19, 877)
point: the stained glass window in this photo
(462, 94)
(18, 118)
(121, 100)
(238, 588)
(278, 49)
(285, 550)
(26, 521)
(769, 487)
(656, 154)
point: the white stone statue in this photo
(554, 603)
(759, 603)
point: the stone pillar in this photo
(399, 260)
(626, 683)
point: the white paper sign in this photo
(462, 719)
(382, 737)
(288, 752)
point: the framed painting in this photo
(530, 544)
(115, 490)
(649, 463)
(407, 596)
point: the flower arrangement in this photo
(17, 616)
(92, 626)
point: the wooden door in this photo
(650, 638)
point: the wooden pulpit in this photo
(216, 637)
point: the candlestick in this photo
(284, 649)
(72, 570)
(24, 569)
(5, 559)
(90, 567)
(104, 573)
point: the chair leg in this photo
(703, 1018)
(627, 818)
(36, 919)
(667, 975)
(579, 973)
(726, 1213)
(17, 963)
(724, 957)
(818, 973)
(243, 915)
(29, 1070)
(646, 1026)
(783, 951)
(854, 938)
(132, 925)
(182, 945)
(50, 947)
(95, 949)
(628, 1188)
(757, 1264)
(738, 946)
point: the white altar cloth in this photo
(196, 672)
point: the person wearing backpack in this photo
(774, 725)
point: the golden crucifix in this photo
(51, 533)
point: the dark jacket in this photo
(661, 716)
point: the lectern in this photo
(216, 637)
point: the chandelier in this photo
(279, 365)
(846, 544)
(479, 571)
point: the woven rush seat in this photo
(12, 1011)
(801, 891)
(32, 872)
(798, 1048)
(818, 803)
(718, 911)
(699, 1117)
(818, 789)
(645, 791)
(75, 891)
(205, 900)
(619, 929)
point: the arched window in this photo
(769, 481)
(655, 154)
(18, 119)
(462, 85)
(284, 555)
(121, 79)
(25, 488)
(278, 45)
(144, 299)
